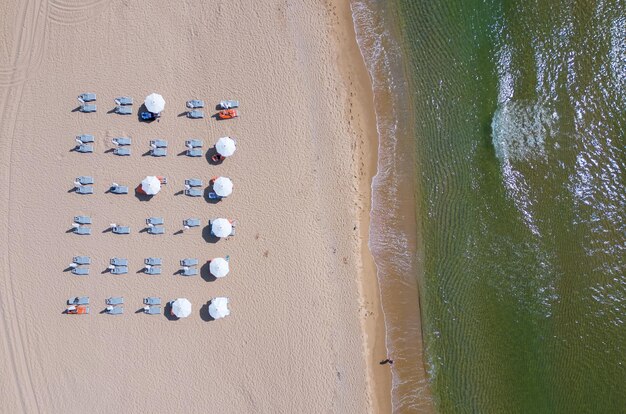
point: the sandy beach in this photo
(305, 332)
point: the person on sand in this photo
(218, 158)
(386, 361)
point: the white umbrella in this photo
(219, 267)
(219, 308)
(225, 146)
(221, 227)
(151, 185)
(223, 186)
(181, 308)
(154, 103)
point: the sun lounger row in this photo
(83, 229)
(78, 305)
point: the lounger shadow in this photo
(181, 192)
(107, 230)
(76, 109)
(181, 153)
(182, 114)
(112, 111)
(140, 310)
(178, 232)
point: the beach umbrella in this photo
(151, 185)
(219, 308)
(154, 103)
(221, 227)
(225, 146)
(181, 308)
(223, 186)
(219, 267)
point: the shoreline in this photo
(365, 135)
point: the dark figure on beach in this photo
(386, 361)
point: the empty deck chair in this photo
(193, 182)
(78, 300)
(155, 221)
(119, 270)
(85, 138)
(82, 230)
(88, 108)
(121, 141)
(193, 192)
(194, 152)
(84, 179)
(123, 110)
(119, 261)
(158, 152)
(156, 230)
(86, 97)
(82, 219)
(84, 189)
(195, 114)
(153, 261)
(124, 100)
(158, 143)
(193, 143)
(84, 148)
(189, 262)
(119, 189)
(114, 310)
(151, 300)
(81, 260)
(195, 103)
(152, 270)
(80, 271)
(189, 271)
(114, 300)
(191, 222)
(121, 151)
(121, 230)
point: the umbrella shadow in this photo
(108, 230)
(208, 199)
(207, 236)
(140, 310)
(204, 313)
(143, 197)
(181, 153)
(181, 231)
(109, 150)
(205, 272)
(72, 190)
(167, 312)
(213, 157)
(76, 109)
(112, 111)
(182, 114)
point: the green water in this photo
(519, 122)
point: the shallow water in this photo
(514, 111)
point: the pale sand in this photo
(300, 292)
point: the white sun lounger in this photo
(84, 148)
(82, 219)
(191, 222)
(193, 192)
(151, 300)
(119, 261)
(193, 182)
(78, 300)
(114, 300)
(85, 138)
(158, 152)
(114, 310)
(119, 189)
(156, 230)
(152, 310)
(155, 221)
(124, 110)
(190, 271)
(195, 152)
(227, 104)
(121, 230)
(195, 103)
(82, 230)
(88, 108)
(84, 189)
(81, 260)
(121, 151)
(80, 271)
(195, 114)
(153, 261)
(121, 141)
(189, 262)
(153, 270)
(84, 179)
(159, 143)
(193, 143)
(119, 270)
(124, 100)
(86, 97)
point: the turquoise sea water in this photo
(516, 116)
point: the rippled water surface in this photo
(518, 120)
